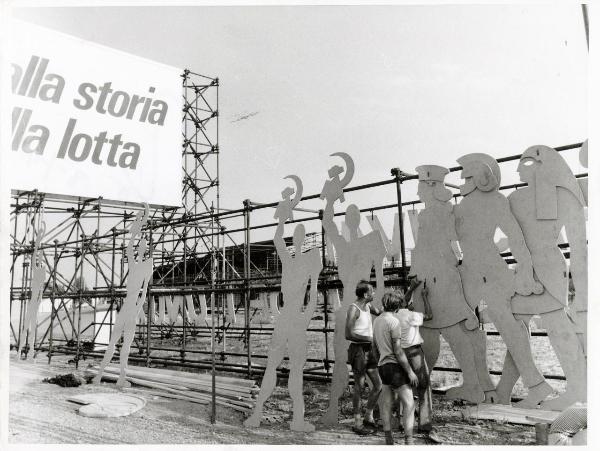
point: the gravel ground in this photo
(39, 413)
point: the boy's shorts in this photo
(393, 375)
(361, 358)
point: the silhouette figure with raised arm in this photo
(290, 324)
(140, 272)
(355, 260)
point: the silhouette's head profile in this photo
(543, 168)
(480, 171)
(352, 217)
(299, 235)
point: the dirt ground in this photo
(40, 413)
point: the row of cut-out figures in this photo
(531, 219)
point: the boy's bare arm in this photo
(428, 314)
(374, 310)
(414, 283)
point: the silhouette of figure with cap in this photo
(435, 263)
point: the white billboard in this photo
(91, 121)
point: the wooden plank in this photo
(173, 383)
(190, 396)
(148, 383)
(183, 380)
(500, 412)
(195, 395)
(186, 398)
(222, 379)
(181, 388)
(205, 389)
(168, 395)
(182, 397)
(230, 402)
(143, 383)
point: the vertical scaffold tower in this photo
(200, 143)
(192, 226)
(83, 247)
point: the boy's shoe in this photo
(432, 436)
(370, 424)
(429, 433)
(409, 440)
(361, 430)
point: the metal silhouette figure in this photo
(290, 323)
(552, 200)
(38, 279)
(140, 272)
(355, 259)
(485, 274)
(435, 263)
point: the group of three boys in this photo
(388, 351)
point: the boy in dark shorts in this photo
(359, 331)
(396, 373)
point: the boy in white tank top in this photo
(411, 341)
(359, 331)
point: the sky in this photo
(393, 86)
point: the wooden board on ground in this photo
(499, 412)
(223, 379)
(189, 395)
(182, 384)
(184, 378)
(167, 395)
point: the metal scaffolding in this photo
(194, 255)
(84, 244)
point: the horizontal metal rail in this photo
(195, 227)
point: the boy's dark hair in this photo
(391, 302)
(362, 288)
